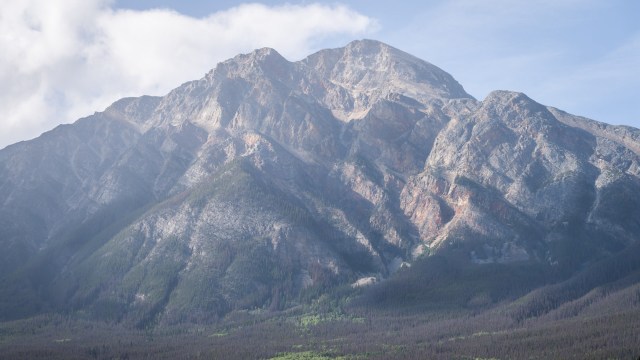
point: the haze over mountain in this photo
(269, 179)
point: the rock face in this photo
(269, 179)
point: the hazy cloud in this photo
(602, 86)
(65, 59)
(578, 55)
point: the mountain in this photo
(268, 181)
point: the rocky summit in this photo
(269, 180)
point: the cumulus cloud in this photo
(63, 59)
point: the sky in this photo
(61, 60)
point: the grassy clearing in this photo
(308, 355)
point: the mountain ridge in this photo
(267, 180)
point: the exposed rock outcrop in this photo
(269, 178)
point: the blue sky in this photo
(64, 59)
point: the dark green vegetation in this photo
(437, 309)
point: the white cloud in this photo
(63, 59)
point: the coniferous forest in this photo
(436, 309)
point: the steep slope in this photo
(268, 181)
(525, 186)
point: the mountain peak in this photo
(506, 96)
(260, 61)
(370, 65)
(265, 53)
(257, 54)
(504, 100)
(368, 45)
